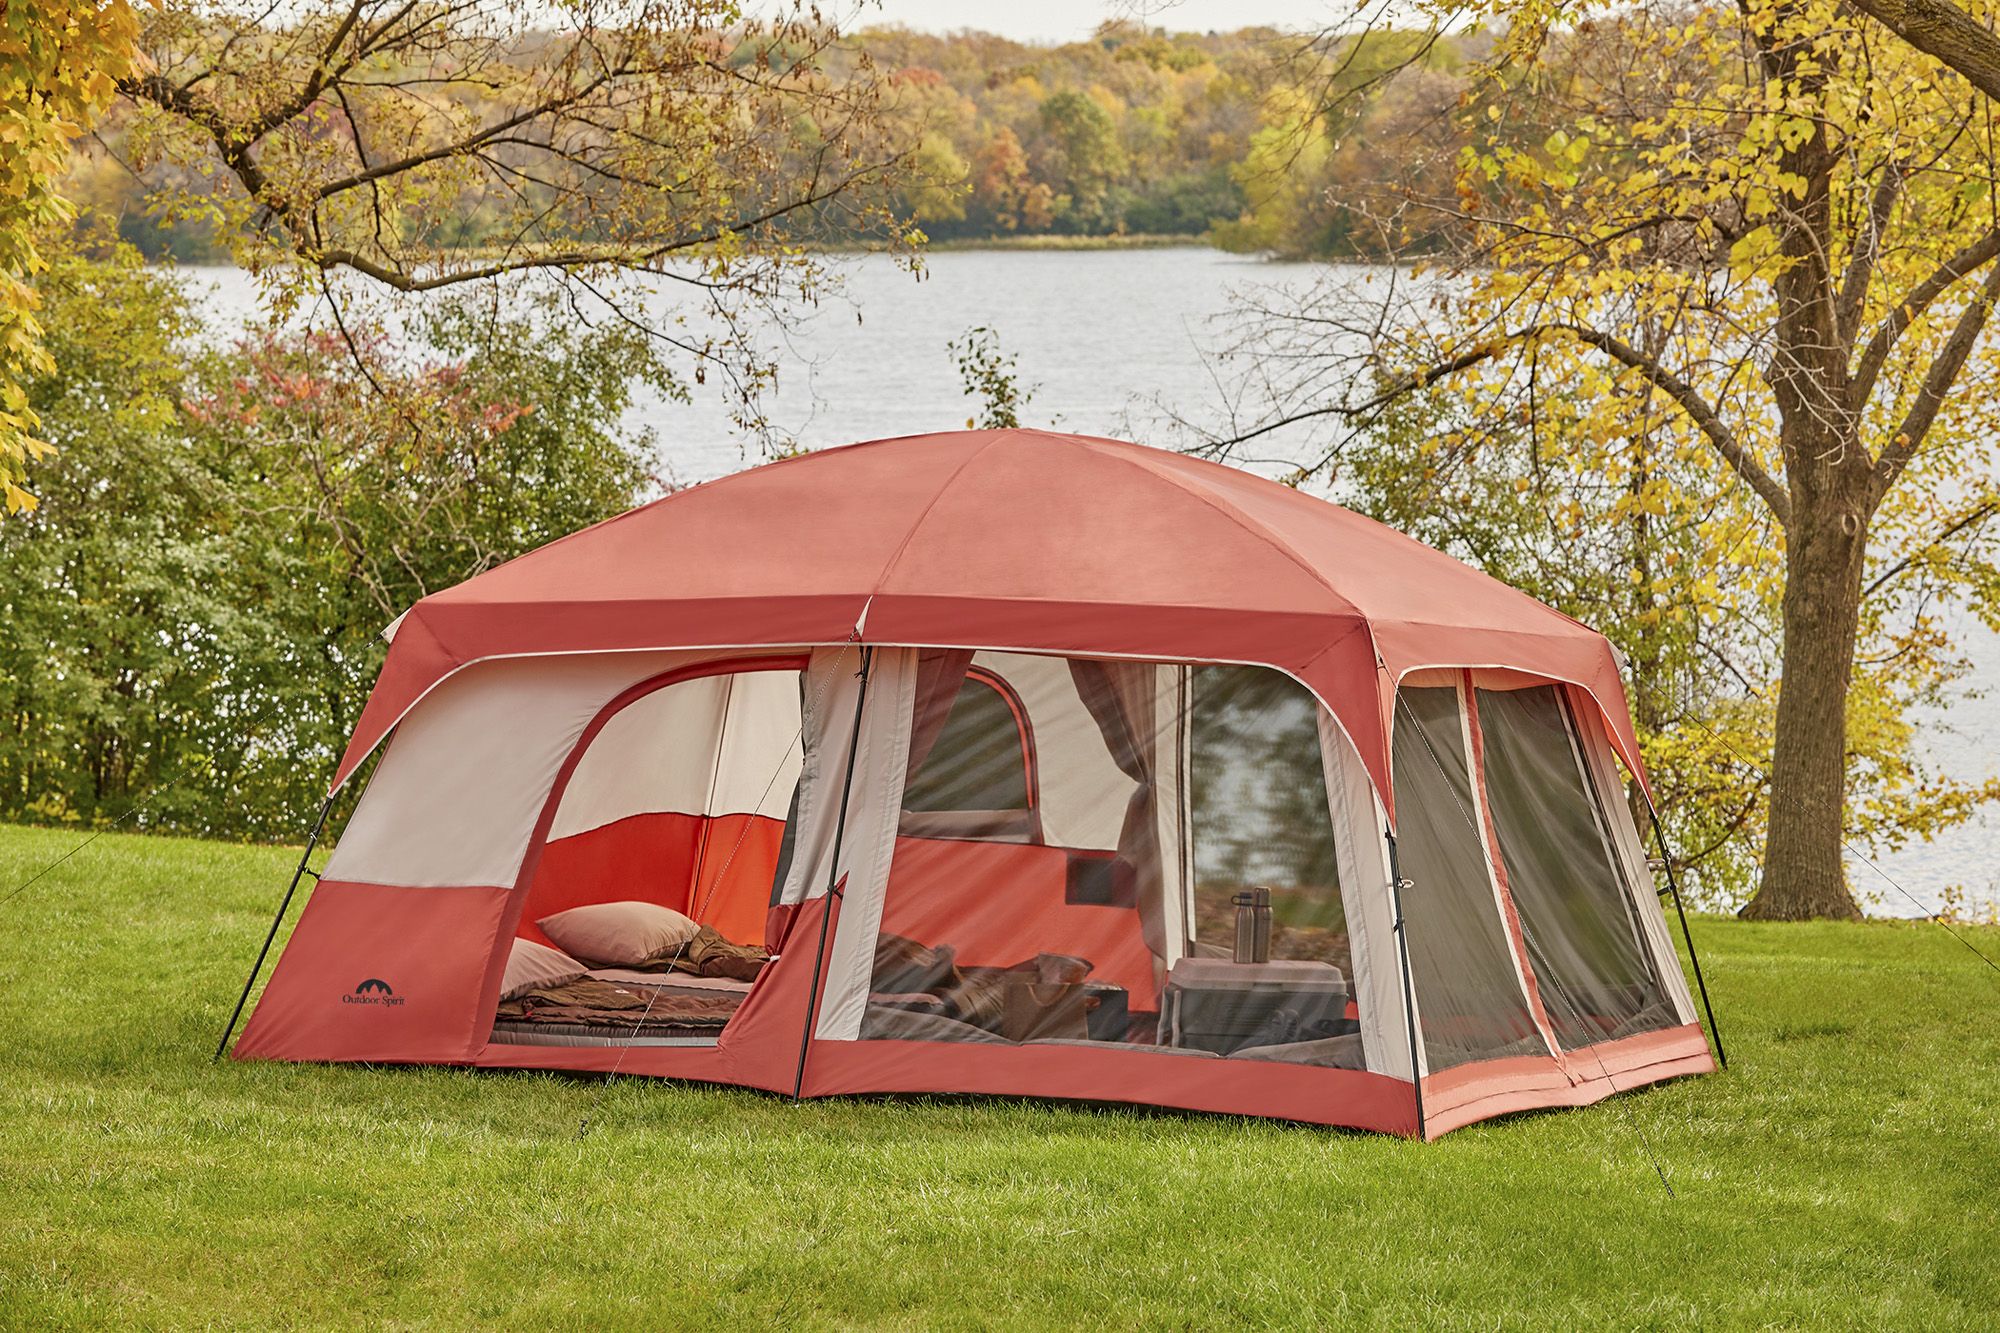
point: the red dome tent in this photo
(1046, 719)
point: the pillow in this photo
(618, 934)
(532, 966)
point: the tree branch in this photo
(460, 147)
(1867, 246)
(1684, 395)
(322, 75)
(1401, 387)
(1984, 511)
(1944, 369)
(1697, 408)
(1944, 31)
(577, 259)
(1919, 299)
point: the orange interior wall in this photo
(997, 904)
(655, 858)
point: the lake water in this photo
(1104, 336)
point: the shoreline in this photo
(1047, 241)
(958, 245)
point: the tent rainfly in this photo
(999, 762)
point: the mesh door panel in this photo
(1470, 1003)
(1596, 976)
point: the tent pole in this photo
(1674, 887)
(312, 840)
(833, 876)
(1396, 883)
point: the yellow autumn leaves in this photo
(59, 66)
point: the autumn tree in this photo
(59, 63)
(1633, 541)
(1335, 112)
(1946, 31)
(193, 610)
(1088, 155)
(1005, 195)
(1760, 242)
(666, 164)
(932, 115)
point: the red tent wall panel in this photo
(381, 973)
(645, 857)
(733, 884)
(999, 903)
(431, 948)
(658, 858)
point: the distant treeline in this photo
(1253, 140)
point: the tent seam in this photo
(1221, 506)
(937, 498)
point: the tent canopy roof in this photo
(1020, 539)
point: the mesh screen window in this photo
(1072, 837)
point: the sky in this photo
(1067, 20)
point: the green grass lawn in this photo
(1844, 1172)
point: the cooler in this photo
(1215, 1004)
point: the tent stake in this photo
(312, 840)
(833, 876)
(1674, 887)
(1396, 883)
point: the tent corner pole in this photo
(833, 876)
(1396, 884)
(270, 937)
(1680, 910)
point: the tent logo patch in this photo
(373, 991)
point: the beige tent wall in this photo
(881, 753)
(456, 797)
(1083, 794)
(1362, 851)
(714, 745)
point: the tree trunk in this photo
(1803, 872)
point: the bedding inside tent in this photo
(680, 801)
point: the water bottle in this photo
(1246, 927)
(1253, 925)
